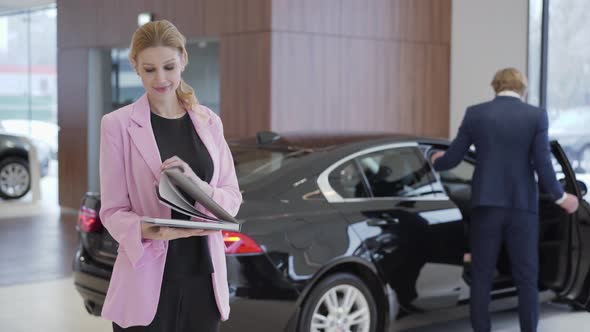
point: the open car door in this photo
(565, 239)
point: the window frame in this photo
(332, 196)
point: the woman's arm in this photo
(116, 213)
(227, 192)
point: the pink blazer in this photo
(129, 168)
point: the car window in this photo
(347, 181)
(399, 172)
(462, 173)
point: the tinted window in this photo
(457, 184)
(399, 172)
(347, 181)
(462, 173)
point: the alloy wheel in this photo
(14, 180)
(342, 308)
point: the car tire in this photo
(361, 311)
(15, 178)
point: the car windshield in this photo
(253, 164)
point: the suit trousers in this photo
(518, 230)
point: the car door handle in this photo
(383, 222)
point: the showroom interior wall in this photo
(361, 65)
(487, 35)
(284, 65)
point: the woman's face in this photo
(159, 69)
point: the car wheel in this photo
(15, 179)
(341, 302)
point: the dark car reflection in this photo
(352, 233)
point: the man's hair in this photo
(509, 79)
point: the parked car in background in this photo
(572, 129)
(353, 233)
(42, 132)
(15, 173)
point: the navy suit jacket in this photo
(511, 143)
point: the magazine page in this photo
(177, 178)
(167, 191)
(170, 196)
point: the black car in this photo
(353, 232)
(15, 174)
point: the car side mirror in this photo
(583, 187)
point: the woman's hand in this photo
(171, 233)
(187, 171)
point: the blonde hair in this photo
(509, 79)
(164, 33)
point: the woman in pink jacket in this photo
(164, 279)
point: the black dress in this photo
(187, 302)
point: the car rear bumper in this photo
(91, 280)
(260, 298)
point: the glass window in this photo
(534, 63)
(126, 85)
(14, 67)
(399, 172)
(28, 75)
(568, 74)
(461, 174)
(28, 86)
(347, 181)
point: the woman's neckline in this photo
(166, 118)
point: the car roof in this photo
(326, 141)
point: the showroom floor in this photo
(37, 292)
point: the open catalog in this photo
(175, 190)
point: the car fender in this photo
(14, 152)
(384, 295)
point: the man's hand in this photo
(436, 155)
(570, 204)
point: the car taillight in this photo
(239, 243)
(88, 220)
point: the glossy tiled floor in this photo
(48, 306)
(36, 248)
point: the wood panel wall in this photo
(327, 65)
(346, 65)
(245, 83)
(72, 120)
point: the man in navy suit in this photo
(511, 143)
